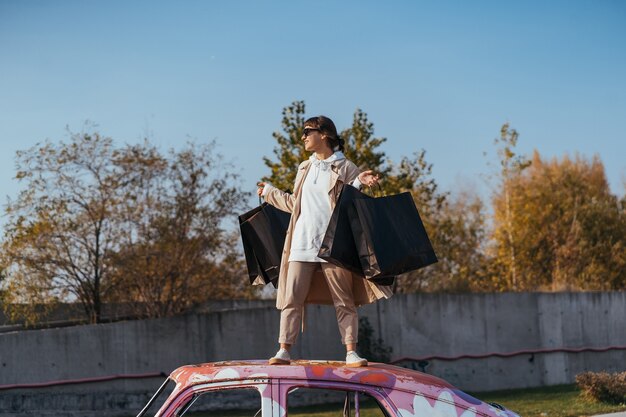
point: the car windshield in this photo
(158, 399)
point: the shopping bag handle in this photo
(380, 189)
(260, 198)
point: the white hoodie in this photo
(314, 210)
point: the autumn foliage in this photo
(566, 228)
(98, 223)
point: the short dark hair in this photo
(328, 129)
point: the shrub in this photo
(374, 349)
(603, 386)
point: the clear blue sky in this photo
(438, 75)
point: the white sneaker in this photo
(281, 358)
(353, 360)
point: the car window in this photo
(157, 400)
(319, 402)
(227, 402)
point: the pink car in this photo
(256, 389)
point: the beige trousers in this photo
(299, 278)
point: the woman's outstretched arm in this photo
(279, 199)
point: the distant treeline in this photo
(97, 223)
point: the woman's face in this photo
(313, 141)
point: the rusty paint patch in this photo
(375, 378)
(317, 371)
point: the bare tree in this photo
(60, 229)
(97, 223)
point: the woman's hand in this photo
(368, 178)
(259, 191)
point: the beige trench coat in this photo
(342, 172)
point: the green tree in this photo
(442, 220)
(290, 150)
(361, 147)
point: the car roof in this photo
(376, 374)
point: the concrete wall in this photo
(451, 325)
(414, 325)
(71, 314)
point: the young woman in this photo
(305, 278)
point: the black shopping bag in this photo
(263, 231)
(389, 235)
(338, 246)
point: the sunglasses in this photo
(307, 131)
